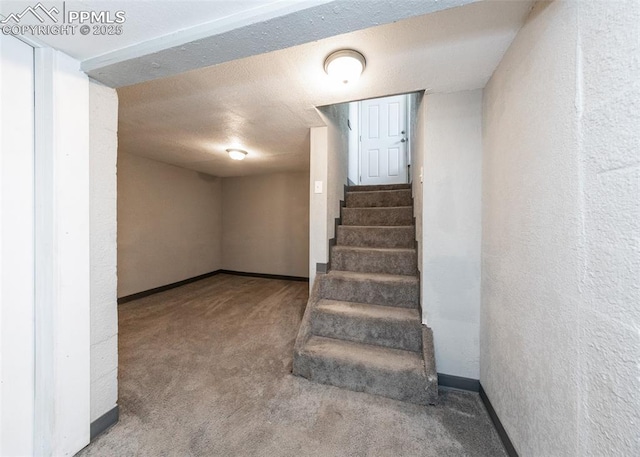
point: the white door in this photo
(383, 141)
(17, 329)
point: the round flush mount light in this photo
(345, 65)
(237, 154)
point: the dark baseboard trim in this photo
(146, 293)
(506, 441)
(264, 275)
(458, 382)
(155, 290)
(102, 423)
(473, 385)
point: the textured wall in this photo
(329, 163)
(608, 105)
(103, 137)
(560, 318)
(336, 117)
(169, 224)
(265, 224)
(417, 118)
(318, 248)
(451, 228)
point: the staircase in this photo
(362, 328)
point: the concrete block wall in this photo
(103, 143)
(560, 321)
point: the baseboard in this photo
(264, 275)
(102, 423)
(458, 382)
(155, 290)
(504, 437)
(473, 385)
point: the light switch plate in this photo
(318, 187)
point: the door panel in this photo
(394, 161)
(394, 119)
(374, 122)
(374, 161)
(383, 146)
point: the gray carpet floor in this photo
(205, 370)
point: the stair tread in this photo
(341, 247)
(366, 310)
(383, 277)
(376, 236)
(384, 208)
(377, 187)
(378, 191)
(382, 358)
(385, 227)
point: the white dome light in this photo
(345, 65)
(237, 154)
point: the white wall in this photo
(17, 299)
(450, 131)
(265, 224)
(62, 255)
(169, 224)
(103, 138)
(336, 117)
(71, 235)
(417, 126)
(318, 239)
(329, 161)
(560, 321)
(353, 174)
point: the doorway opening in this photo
(379, 140)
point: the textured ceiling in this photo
(269, 28)
(266, 103)
(151, 24)
(161, 38)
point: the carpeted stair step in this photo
(374, 260)
(372, 288)
(381, 236)
(393, 327)
(377, 370)
(391, 216)
(361, 329)
(379, 198)
(368, 188)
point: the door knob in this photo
(403, 140)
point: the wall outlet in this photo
(318, 187)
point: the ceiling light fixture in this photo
(345, 65)
(237, 154)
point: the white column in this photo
(16, 247)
